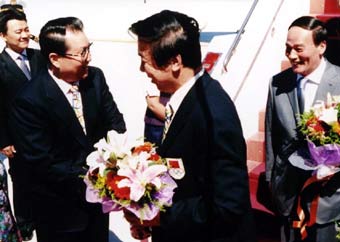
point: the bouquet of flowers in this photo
(321, 127)
(130, 177)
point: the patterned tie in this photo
(77, 105)
(169, 112)
(24, 67)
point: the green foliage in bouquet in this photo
(321, 125)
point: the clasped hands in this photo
(134, 220)
(140, 229)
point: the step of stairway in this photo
(326, 17)
(256, 147)
(324, 6)
(262, 115)
(255, 169)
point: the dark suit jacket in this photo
(11, 81)
(54, 147)
(282, 139)
(211, 202)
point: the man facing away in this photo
(57, 120)
(16, 35)
(211, 202)
(309, 79)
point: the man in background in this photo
(291, 92)
(154, 114)
(57, 120)
(18, 64)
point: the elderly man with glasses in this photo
(59, 117)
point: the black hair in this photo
(313, 24)
(170, 33)
(52, 35)
(9, 12)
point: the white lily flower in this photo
(329, 116)
(95, 160)
(318, 107)
(103, 148)
(115, 146)
(118, 143)
(336, 99)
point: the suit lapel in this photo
(285, 98)
(33, 61)
(329, 83)
(182, 116)
(89, 101)
(290, 88)
(12, 67)
(62, 109)
(292, 92)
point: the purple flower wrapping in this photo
(92, 196)
(162, 197)
(328, 155)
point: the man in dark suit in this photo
(15, 32)
(309, 79)
(55, 130)
(204, 139)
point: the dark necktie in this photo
(301, 95)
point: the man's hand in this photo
(140, 230)
(156, 106)
(134, 220)
(8, 151)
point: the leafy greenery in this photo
(317, 130)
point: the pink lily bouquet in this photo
(128, 177)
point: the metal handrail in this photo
(258, 50)
(238, 36)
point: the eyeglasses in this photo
(83, 54)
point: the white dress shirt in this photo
(178, 96)
(14, 55)
(310, 83)
(64, 87)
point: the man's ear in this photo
(54, 59)
(3, 37)
(176, 63)
(322, 47)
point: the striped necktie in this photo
(77, 105)
(169, 112)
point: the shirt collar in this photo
(63, 85)
(178, 96)
(14, 55)
(316, 75)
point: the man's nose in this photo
(25, 34)
(88, 57)
(141, 67)
(291, 54)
